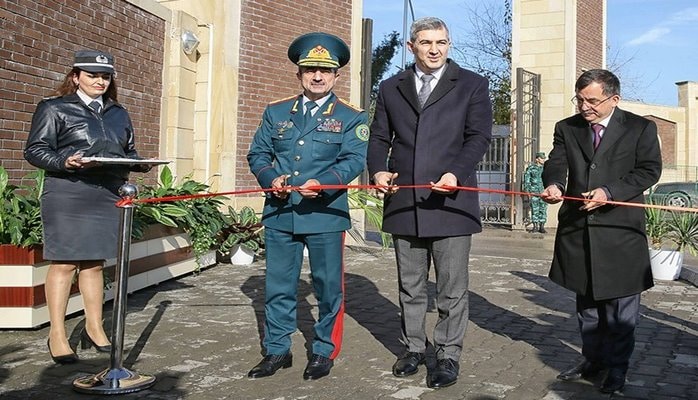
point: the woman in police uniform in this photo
(78, 213)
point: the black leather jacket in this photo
(62, 126)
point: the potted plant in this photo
(655, 226)
(372, 207)
(242, 237)
(20, 218)
(200, 218)
(166, 234)
(669, 235)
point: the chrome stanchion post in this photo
(116, 379)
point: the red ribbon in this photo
(128, 201)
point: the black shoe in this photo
(71, 358)
(614, 381)
(270, 364)
(317, 367)
(585, 369)
(445, 374)
(408, 364)
(542, 229)
(86, 342)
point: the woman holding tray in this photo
(78, 212)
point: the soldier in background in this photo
(533, 183)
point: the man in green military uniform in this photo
(533, 183)
(307, 140)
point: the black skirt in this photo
(80, 218)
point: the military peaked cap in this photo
(318, 49)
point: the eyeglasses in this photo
(578, 101)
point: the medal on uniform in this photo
(330, 125)
(283, 126)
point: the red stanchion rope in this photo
(125, 202)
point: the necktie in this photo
(425, 91)
(597, 134)
(96, 106)
(307, 118)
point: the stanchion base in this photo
(113, 381)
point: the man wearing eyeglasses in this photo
(602, 153)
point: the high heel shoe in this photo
(87, 341)
(64, 359)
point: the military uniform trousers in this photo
(284, 253)
(538, 210)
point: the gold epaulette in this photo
(283, 100)
(352, 106)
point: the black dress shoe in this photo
(270, 364)
(86, 342)
(408, 364)
(71, 358)
(317, 367)
(585, 369)
(445, 374)
(614, 381)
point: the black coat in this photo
(450, 134)
(604, 251)
(61, 126)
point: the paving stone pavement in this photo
(200, 334)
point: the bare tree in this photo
(486, 49)
(632, 85)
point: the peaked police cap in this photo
(94, 61)
(318, 49)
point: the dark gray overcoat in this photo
(450, 134)
(603, 252)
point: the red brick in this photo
(45, 36)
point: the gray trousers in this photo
(450, 256)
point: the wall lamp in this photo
(189, 42)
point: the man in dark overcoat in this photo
(437, 141)
(601, 253)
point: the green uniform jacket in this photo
(533, 179)
(332, 149)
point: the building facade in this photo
(559, 40)
(198, 108)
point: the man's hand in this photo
(280, 183)
(309, 193)
(445, 185)
(551, 195)
(595, 198)
(384, 180)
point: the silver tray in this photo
(128, 161)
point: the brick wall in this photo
(590, 38)
(667, 132)
(36, 51)
(266, 74)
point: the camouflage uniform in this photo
(533, 183)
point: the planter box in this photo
(163, 254)
(11, 254)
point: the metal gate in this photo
(515, 147)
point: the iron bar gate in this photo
(511, 150)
